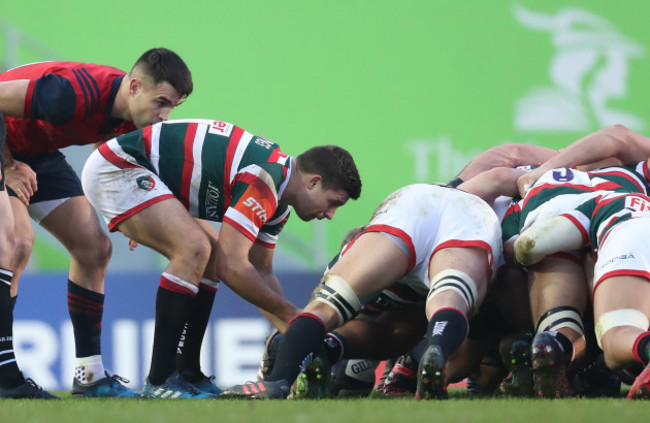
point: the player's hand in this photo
(22, 180)
(133, 244)
(527, 180)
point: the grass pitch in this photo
(459, 409)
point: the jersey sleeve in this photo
(268, 234)
(53, 99)
(581, 218)
(254, 201)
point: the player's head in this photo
(159, 81)
(329, 178)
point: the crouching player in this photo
(440, 238)
(616, 225)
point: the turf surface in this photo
(458, 409)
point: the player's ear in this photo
(134, 86)
(313, 181)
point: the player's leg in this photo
(187, 247)
(621, 313)
(371, 264)
(459, 281)
(558, 297)
(12, 382)
(90, 251)
(188, 358)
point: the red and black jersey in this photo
(67, 103)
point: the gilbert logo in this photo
(588, 72)
(146, 183)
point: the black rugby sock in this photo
(86, 309)
(302, 341)
(447, 328)
(10, 375)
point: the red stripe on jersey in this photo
(239, 227)
(512, 209)
(267, 194)
(174, 287)
(646, 172)
(276, 155)
(576, 222)
(400, 234)
(605, 186)
(112, 225)
(188, 164)
(621, 174)
(230, 156)
(146, 140)
(457, 243)
(108, 154)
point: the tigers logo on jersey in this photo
(147, 183)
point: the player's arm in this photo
(547, 237)
(506, 155)
(236, 270)
(493, 183)
(612, 145)
(12, 97)
(262, 259)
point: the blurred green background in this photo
(413, 89)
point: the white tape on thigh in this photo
(455, 280)
(620, 317)
(335, 291)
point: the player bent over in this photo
(616, 225)
(151, 184)
(441, 239)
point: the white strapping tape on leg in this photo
(620, 317)
(455, 280)
(562, 319)
(336, 292)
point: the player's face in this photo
(319, 203)
(153, 103)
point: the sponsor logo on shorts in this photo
(628, 256)
(147, 183)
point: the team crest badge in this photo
(147, 183)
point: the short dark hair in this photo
(163, 65)
(335, 165)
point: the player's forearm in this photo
(614, 142)
(246, 282)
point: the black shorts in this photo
(55, 177)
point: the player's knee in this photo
(92, 251)
(196, 248)
(458, 282)
(617, 320)
(336, 293)
(23, 244)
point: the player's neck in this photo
(289, 194)
(121, 104)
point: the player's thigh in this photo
(6, 230)
(75, 224)
(472, 261)
(622, 292)
(371, 264)
(167, 227)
